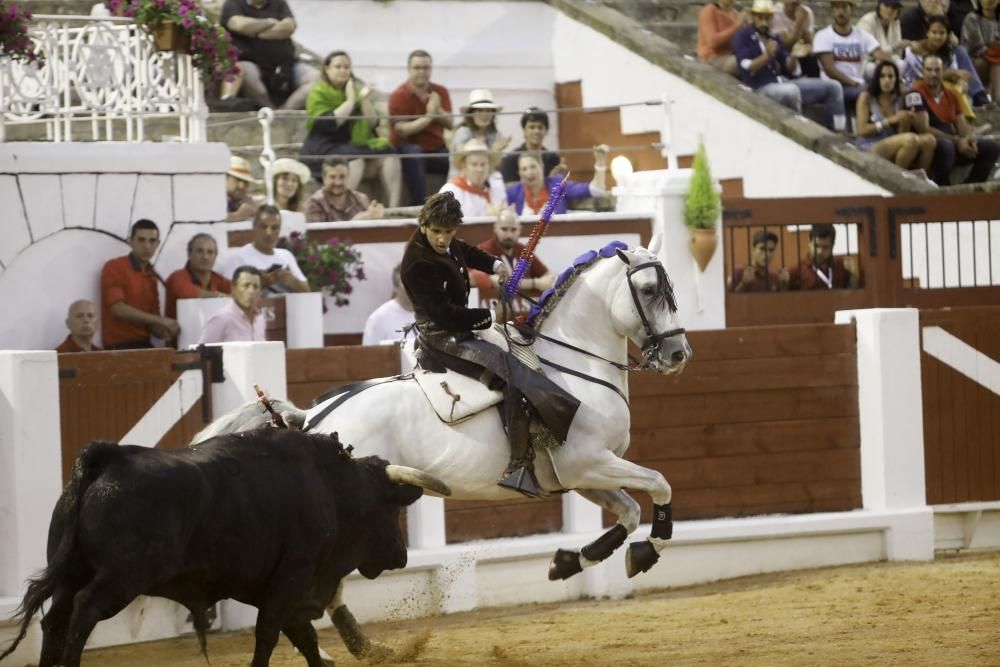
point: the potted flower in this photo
(330, 266)
(15, 43)
(213, 52)
(702, 207)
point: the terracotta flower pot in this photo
(703, 245)
(169, 36)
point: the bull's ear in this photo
(623, 257)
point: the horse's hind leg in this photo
(567, 563)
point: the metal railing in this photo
(947, 254)
(102, 79)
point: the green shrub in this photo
(702, 204)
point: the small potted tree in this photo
(702, 207)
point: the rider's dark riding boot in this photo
(520, 472)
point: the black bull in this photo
(272, 518)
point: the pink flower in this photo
(295, 235)
(313, 257)
(187, 22)
(333, 240)
(360, 273)
(334, 276)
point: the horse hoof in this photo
(564, 565)
(640, 557)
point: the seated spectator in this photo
(757, 276)
(81, 320)
(883, 25)
(342, 121)
(915, 21)
(393, 320)
(480, 123)
(474, 192)
(335, 202)
(981, 38)
(956, 144)
(289, 182)
(196, 280)
(535, 124)
(279, 271)
(270, 73)
(888, 128)
(717, 23)
(239, 203)
(763, 60)
(795, 24)
(842, 48)
(530, 195)
(429, 106)
(821, 270)
(936, 44)
(130, 299)
(240, 319)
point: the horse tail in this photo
(249, 416)
(88, 467)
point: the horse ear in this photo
(656, 244)
(623, 257)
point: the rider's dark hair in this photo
(441, 210)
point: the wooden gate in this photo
(102, 395)
(960, 375)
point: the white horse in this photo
(582, 330)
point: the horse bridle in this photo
(653, 339)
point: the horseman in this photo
(435, 274)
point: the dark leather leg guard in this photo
(520, 473)
(606, 544)
(663, 522)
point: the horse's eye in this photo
(648, 291)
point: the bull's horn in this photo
(405, 475)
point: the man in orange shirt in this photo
(717, 24)
(81, 320)
(196, 280)
(130, 302)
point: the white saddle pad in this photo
(455, 396)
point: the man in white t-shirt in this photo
(280, 273)
(842, 49)
(387, 322)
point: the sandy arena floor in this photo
(941, 613)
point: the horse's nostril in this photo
(677, 357)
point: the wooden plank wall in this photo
(315, 371)
(961, 416)
(108, 392)
(762, 420)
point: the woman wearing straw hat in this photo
(342, 121)
(480, 123)
(290, 178)
(472, 187)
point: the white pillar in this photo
(30, 463)
(246, 364)
(425, 523)
(579, 515)
(304, 320)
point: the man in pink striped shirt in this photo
(239, 319)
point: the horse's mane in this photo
(551, 297)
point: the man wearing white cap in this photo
(766, 66)
(239, 203)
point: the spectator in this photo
(342, 121)
(393, 320)
(761, 57)
(279, 271)
(915, 21)
(757, 276)
(423, 134)
(821, 270)
(530, 195)
(981, 38)
(888, 127)
(936, 43)
(271, 75)
(717, 24)
(240, 319)
(795, 24)
(535, 124)
(883, 25)
(81, 320)
(504, 245)
(480, 123)
(289, 181)
(196, 280)
(474, 192)
(842, 49)
(239, 204)
(130, 300)
(956, 144)
(335, 202)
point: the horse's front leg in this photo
(613, 473)
(567, 563)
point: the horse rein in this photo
(653, 339)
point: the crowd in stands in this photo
(820, 269)
(871, 78)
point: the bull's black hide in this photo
(272, 518)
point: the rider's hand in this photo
(503, 273)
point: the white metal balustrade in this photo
(101, 73)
